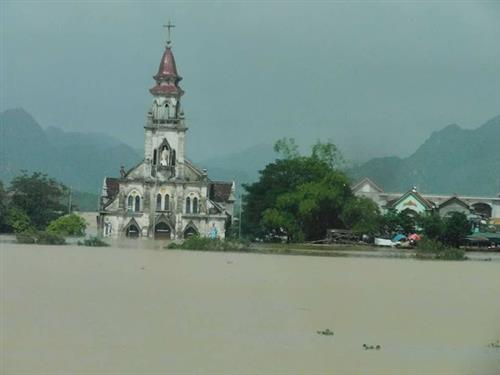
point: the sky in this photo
(376, 78)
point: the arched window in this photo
(167, 202)
(130, 203)
(188, 205)
(173, 157)
(158, 202)
(195, 205)
(137, 203)
(155, 156)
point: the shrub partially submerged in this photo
(93, 241)
(431, 249)
(68, 225)
(40, 237)
(207, 244)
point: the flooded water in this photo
(78, 310)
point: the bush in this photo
(26, 237)
(49, 238)
(432, 249)
(68, 225)
(17, 220)
(40, 237)
(93, 241)
(208, 244)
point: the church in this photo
(165, 196)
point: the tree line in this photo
(301, 196)
(36, 202)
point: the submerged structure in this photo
(165, 195)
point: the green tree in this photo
(17, 220)
(39, 197)
(362, 215)
(287, 148)
(3, 208)
(315, 206)
(278, 178)
(390, 223)
(328, 153)
(407, 221)
(282, 223)
(68, 225)
(456, 228)
(432, 226)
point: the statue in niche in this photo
(164, 157)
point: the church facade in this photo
(165, 195)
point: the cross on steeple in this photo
(169, 26)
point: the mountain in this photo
(79, 160)
(241, 167)
(452, 160)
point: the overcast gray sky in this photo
(377, 78)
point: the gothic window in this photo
(154, 156)
(158, 202)
(130, 203)
(173, 157)
(188, 205)
(195, 205)
(137, 203)
(167, 202)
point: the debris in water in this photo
(326, 332)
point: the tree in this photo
(362, 215)
(278, 178)
(301, 196)
(456, 228)
(282, 223)
(432, 226)
(407, 221)
(287, 148)
(390, 222)
(3, 208)
(68, 225)
(328, 153)
(39, 197)
(17, 220)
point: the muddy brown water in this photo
(79, 310)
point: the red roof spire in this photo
(167, 79)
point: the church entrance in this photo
(190, 231)
(162, 231)
(132, 231)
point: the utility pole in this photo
(69, 201)
(239, 220)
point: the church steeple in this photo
(165, 123)
(167, 79)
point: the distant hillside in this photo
(78, 160)
(242, 167)
(452, 160)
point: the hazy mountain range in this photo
(452, 160)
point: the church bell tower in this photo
(165, 127)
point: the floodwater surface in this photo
(80, 310)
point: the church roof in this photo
(112, 187)
(220, 191)
(167, 68)
(167, 79)
(166, 88)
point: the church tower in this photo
(165, 127)
(165, 196)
